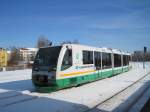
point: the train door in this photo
(97, 58)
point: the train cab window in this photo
(87, 57)
(106, 60)
(117, 60)
(67, 60)
(125, 60)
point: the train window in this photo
(106, 60)
(97, 58)
(67, 60)
(117, 60)
(87, 57)
(128, 59)
(47, 58)
(125, 60)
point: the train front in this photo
(44, 68)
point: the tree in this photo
(139, 55)
(43, 42)
(15, 55)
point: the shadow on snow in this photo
(20, 85)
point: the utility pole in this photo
(145, 50)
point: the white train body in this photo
(76, 64)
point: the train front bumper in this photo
(43, 81)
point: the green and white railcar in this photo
(69, 65)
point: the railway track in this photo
(123, 100)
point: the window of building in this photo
(87, 57)
(117, 60)
(106, 60)
(67, 60)
(97, 58)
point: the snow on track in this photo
(76, 99)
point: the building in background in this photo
(3, 57)
(139, 55)
(28, 54)
(8, 55)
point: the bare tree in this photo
(139, 55)
(14, 56)
(43, 42)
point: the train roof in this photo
(102, 49)
(116, 51)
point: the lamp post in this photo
(145, 50)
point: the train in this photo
(68, 65)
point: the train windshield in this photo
(46, 58)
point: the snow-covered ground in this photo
(15, 95)
(18, 80)
(8, 76)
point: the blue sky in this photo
(122, 24)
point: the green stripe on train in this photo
(69, 82)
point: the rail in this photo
(119, 94)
